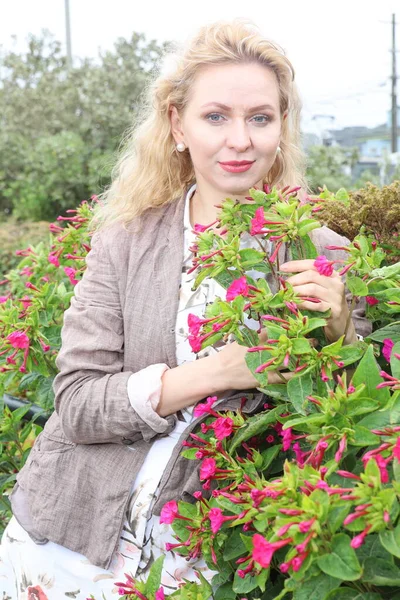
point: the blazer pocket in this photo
(50, 443)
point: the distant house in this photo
(373, 144)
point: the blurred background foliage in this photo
(60, 128)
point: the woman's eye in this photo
(261, 119)
(214, 118)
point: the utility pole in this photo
(394, 85)
(68, 34)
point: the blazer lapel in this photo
(168, 269)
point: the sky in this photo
(340, 49)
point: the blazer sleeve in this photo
(91, 388)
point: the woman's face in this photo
(232, 116)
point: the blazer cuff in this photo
(144, 391)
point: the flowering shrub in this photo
(302, 499)
(33, 299)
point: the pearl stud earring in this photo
(181, 147)
(278, 150)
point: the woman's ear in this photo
(176, 125)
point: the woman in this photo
(88, 501)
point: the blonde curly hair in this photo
(150, 172)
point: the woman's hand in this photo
(307, 282)
(234, 371)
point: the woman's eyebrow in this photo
(228, 108)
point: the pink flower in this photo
(45, 347)
(205, 407)
(208, 468)
(341, 449)
(358, 540)
(202, 228)
(70, 273)
(169, 512)
(371, 300)
(223, 427)
(238, 287)
(4, 299)
(323, 265)
(382, 464)
(387, 348)
(297, 561)
(257, 223)
(396, 450)
(263, 550)
(287, 439)
(27, 271)
(304, 526)
(160, 594)
(195, 343)
(195, 323)
(26, 301)
(53, 259)
(300, 455)
(216, 519)
(18, 339)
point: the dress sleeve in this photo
(144, 391)
(91, 388)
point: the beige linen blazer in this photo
(75, 486)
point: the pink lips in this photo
(235, 166)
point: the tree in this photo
(43, 105)
(330, 166)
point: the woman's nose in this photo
(238, 136)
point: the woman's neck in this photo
(205, 204)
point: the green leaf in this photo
(356, 285)
(391, 540)
(368, 372)
(336, 516)
(342, 561)
(234, 546)
(372, 548)
(298, 389)
(389, 331)
(225, 592)
(226, 277)
(253, 426)
(377, 419)
(381, 572)
(245, 585)
(250, 257)
(363, 437)
(269, 456)
(307, 225)
(360, 406)
(315, 588)
(28, 380)
(45, 393)
(189, 453)
(345, 593)
(305, 421)
(309, 247)
(314, 323)
(352, 353)
(386, 272)
(153, 581)
(300, 346)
